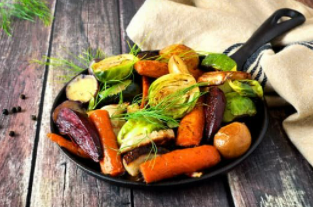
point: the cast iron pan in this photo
(270, 29)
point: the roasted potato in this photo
(188, 55)
(82, 88)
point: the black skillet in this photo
(270, 29)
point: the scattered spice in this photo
(11, 133)
(34, 117)
(19, 109)
(5, 112)
(22, 96)
(14, 110)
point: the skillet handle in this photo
(270, 29)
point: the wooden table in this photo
(33, 170)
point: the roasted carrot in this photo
(190, 130)
(145, 90)
(111, 163)
(179, 162)
(70, 146)
(151, 68)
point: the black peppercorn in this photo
(13, 110)
(19, 109)
(11, 133)
(22, 96)
(34, 117)
(5, 112)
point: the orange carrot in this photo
(190, 130)
(70, 146)
(151, 68)
(111, 163)
(145, 90)
(179, 162)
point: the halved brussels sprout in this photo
(219, 62)
(167, 92)
(249, 88)
(114, 68)
(238, 106)
(136, 133)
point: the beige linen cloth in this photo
(221, 26)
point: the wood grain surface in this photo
(34, 171)
(58, 181)
(276, 174)
(17, 76)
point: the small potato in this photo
(82, 88)
(151, 68)
(233, 140)
(188, 55)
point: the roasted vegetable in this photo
(137, 133)
(111, 163)
(177, 65)
(219, 77)
(110, 95)
(249, 88)
(81, 130)
(238, 106)
(188, 55)
(82, 88)
(219, 62)
(145, 91)
(214, 111)
(233, 140)
(151, 68)
(161, 89)
(75, 106)
(114, 111)
(114, 68)
(178, 162)
(190, 130)
(62, 142)
(133, 159)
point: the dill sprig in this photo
(74, 64)
(158, 114)
(25, 10)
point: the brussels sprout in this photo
(114, 68)
(238, 106)
(140, 132)
(167, 92)
(249, 88)
(219, 62)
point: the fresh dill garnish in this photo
(25, 10)
(73, 65)
(158, 114)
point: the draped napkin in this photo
(222, 26)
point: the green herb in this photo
(25, 10)
(158, 114)
(107, 91)
(74, 65)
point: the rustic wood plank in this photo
(276, 174)
(127, 11)
(212, 193)
(57, 181)
(18, 76)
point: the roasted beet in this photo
(74, 105)
(214, 110)
(81, 130)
